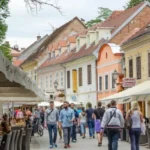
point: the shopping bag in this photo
(143, 129)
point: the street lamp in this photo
(115, 75)
(55, 84)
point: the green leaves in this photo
(133, 3)
(104, 13)
(4, 13)
(5, 48)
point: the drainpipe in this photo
(96, 81)
(64, 79)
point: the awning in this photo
(138, 92)
(15, 85)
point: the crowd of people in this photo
(68, 120)
(99, 121)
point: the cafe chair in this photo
(19, 145)
(26, 139)
(12, 142)
(16, 139)
(16, 128)
(7, 144)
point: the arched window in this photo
(106, 55)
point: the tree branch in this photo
(37, 4)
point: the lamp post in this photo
(115, 76)
(56, 84)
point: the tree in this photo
(104, 13)
(133, 3)
(5, 48)
(4, 13)
(34, 5)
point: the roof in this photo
(31, 49)
(71, 56)
(17, 62)
(71, 39)
(139, 33)
(15, 53)
(62, 43)
(52, 37)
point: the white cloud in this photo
(23, 27)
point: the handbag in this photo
(143, 128)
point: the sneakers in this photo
(55, 145)
(74, 141)
(51, 146)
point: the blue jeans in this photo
(83, 128)
(52, 129)
(135, 138)
(113, 137)
(74, 132)
(91, 127)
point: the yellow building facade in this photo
(137, 62)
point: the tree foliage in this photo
(133, 3)
(103, 14)
(4, 13)
(5, 48)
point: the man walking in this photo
(66, 121)
(75, 124)
(90, 120)
(113, 120)
(51, 118)
(98, 116)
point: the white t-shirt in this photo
(82, 118)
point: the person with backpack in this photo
(51, 120)
(75, 124)
(82, 120)
(135, 117)
(98, 116)
(112, 120)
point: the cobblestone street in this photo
(41, 143)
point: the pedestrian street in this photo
(42, 143)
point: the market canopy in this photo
(139, 92)
(15, 85)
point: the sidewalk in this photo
(42, 143)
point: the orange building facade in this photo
(109, 60)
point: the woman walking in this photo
(82, 120)
(135, 117)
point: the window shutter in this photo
(138, 67)
(131, 68)
(100, 83)
(80, 76)
(68, 79)
(89, 74)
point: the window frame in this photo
(89, 75)
(107, 81)
(68, 79)
(130, 68)
(80, 73)
(138, 68)
(100, 87)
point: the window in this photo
(62, 79)
(41, 82)
(35, 75)
(106, 55)
(148, 64)
(51, 81)
(89, 74)
(78, 44)
(88, 40)
(53, 54)
(112, 81)
(68, 48)
(68, 79)
(100, 83)
(97, 36)
(80, 76)
(130, 68)
(138, 67)
(59, 51)
(46, 82)
(106, 82)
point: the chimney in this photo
(38, 38)
(82, 20)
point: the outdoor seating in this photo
(16, 128)
(26, 139)
(7, 144)
(12, 142)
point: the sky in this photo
(24, 27)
